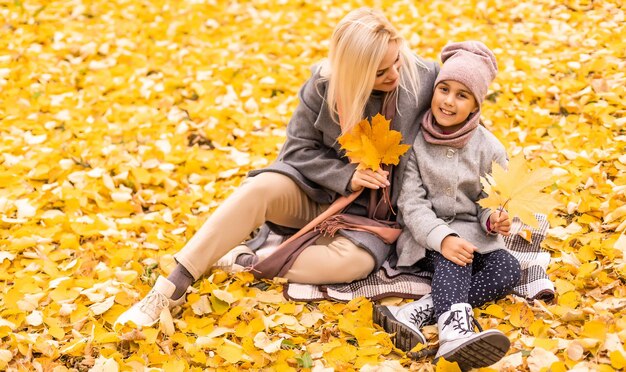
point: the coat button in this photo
(449, 191)
(450, 153)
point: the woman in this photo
(369, 70)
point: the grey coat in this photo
(439, 196)
(313, 158)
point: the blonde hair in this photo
(358, 45)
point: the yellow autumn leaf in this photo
(5, 358)
(230, 351)
(495, 310)
(569, 299)
(344, 353)
(166, 324)
(371, 145)
(444, 366)
(174, 365)
(617, 359)
(546, 343)
(521, 315)
(539, 328)
(518, 190)
(595, 329)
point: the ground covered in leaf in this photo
(124, 123)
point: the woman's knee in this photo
(268, 185)
(363, 266)
(331, 262)
(351, 261)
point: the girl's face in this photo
(452, 104)
(388, 73)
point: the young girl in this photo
(445, 228)
(369, 70)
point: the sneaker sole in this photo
(405, 338)
(479, 352)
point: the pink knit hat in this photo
(470, 63)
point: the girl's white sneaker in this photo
(459, 342)
(406, 321)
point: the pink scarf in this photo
(433, 133)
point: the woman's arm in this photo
(305, 150)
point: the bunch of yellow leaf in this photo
(518, 190)
(371, 145)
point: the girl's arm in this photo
(417, 211)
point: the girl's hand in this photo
(370, 179)
(458, 250)
(500, 222)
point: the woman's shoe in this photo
(146, 312)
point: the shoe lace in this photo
(421, 316)
(153, 303)
(455, 320)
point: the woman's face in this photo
(388, 73)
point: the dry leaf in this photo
(202, 306)
(444, 366)
(102, 307)
(521, 315)
(35, 318)
(527, 235)
(5, 357)
(166, 323)
(575, 351)
(540, 358)
(263, 341)
(103, 364)
(224, 296)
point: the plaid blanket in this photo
(390, 281)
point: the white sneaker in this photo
(458, 342)
(227, 262)
(146, 312)
(406, 321)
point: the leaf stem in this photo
(502, 207)
(388, 199)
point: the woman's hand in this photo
(458, 250)
(500, 222)
(370, 179)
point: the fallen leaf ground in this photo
(124, 123)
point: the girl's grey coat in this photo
(439, 195)
(312, 157)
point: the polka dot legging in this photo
(489, 277)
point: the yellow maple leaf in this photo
(518, 190)
(371, 145)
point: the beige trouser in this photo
(276, 198)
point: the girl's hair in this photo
(358, 46)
